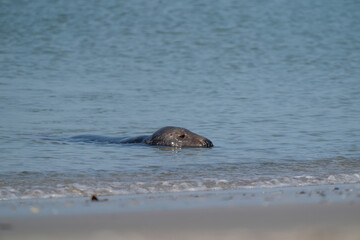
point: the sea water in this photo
(275, 85)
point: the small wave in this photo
(88, 188)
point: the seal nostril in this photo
(208, 143)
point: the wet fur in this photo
(166, 136)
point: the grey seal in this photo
(166, 136)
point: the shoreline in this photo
(316, 212)
(181, 200)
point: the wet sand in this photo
(325, 217)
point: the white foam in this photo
(60, 190)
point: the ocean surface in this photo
(275, 85)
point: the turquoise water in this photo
(273, 84)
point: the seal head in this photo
(178, 137)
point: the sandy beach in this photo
(216, 215)
(312, 221)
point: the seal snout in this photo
(207, 143)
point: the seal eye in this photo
(182, 136)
